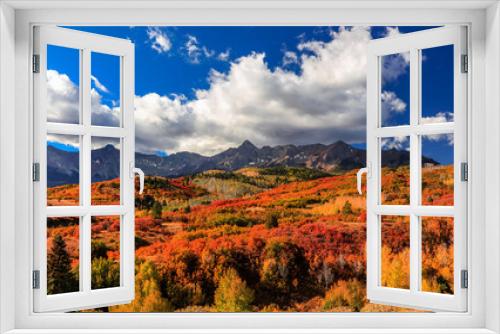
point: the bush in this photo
(300, 203)
(148, 297)
(272, 220)
(347, 208)
(105, 273)
(233, 294)
(156, 210)
(232, 220)
(345, 293)
(99, 249)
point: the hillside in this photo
(285, 239)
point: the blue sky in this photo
(190, 78)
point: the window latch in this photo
(359, 175)
(133, 171)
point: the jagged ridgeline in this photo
(335, 158)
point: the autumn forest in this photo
(278, 239)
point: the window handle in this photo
(359, 175)
(133, 171)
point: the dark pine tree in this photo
(60, 278)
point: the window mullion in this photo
(414, 171)
(85, 254)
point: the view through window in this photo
(250, 139)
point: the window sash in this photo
(414, 297)
(86, 297)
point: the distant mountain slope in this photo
(336, 157)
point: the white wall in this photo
(492, 212)
(7, 179)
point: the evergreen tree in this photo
(60, 278)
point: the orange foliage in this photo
(197, 237)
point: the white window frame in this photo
(85, 44)
(16, 20)
(413, 43)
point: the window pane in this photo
(63, 170)
(63, 255)
(105, 252)
(105, 171)
(105, 89)
(395, 172)
(395, 89)
(63, 84)
(395, 237)
(437, 84)
(437, 254)
(437, 170)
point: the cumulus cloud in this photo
(160, 42)
(63, 102)
(102, 114)
(62, 98)
(396, 143)
(322, 102)
(391, 103)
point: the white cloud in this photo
(395, 65)
(160, 42)
(446, 139)
(324, 101)
(102, 114)
(290, 57)
(99, 85)
(396, 143)
(391, 104)
(440, 117)
(224, 56)
(193, 50)
(62, 98)
(391, 32)
(63, 102)
(196, 52)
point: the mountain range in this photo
(337, 157)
